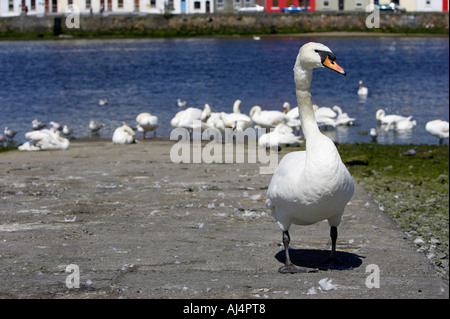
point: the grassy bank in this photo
(412, 190)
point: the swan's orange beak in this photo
(333, 66)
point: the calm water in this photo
(64, 80)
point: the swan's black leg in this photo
(289, 267)
(333, 262)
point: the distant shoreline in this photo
(225, 25)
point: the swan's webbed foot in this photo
(289, 267)
(292, 269)
(333, 262)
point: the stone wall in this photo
(227, 24)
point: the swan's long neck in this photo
(305, 109)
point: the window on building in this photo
(428, 2)
(120, 4)
(197, 5)
(358, 3)
(219, 3)
(69, 2)
(88, 4)
(11, 5)
(152, 3)
(326, 3)
(275, 4)
(170, 5)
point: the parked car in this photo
(251, 8)
(293, 9)
(390, 7)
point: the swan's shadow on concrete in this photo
(315, 258)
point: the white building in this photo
(191, 6)
(42, 7)
(96, 6)
(152, 6)
(9, 8)
(420, 5)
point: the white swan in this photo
(324, 111)
(124, 135)
(94, 126)
(402, 126)
(381, 116)
(147, 123)
(103, 102)
(181, 103)
(188, 118)
(342, 118)
(282, 135)
(362, 91)
(236, 120)
(312, 185)
(266, 119)
(292, 116)
(325, 116)
(438, 128)
(45, 139)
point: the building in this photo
(190, 6)
(9, 8)
(342, 5)
(231, 6)
(422, 5)
(278, 5)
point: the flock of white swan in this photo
(284, 125)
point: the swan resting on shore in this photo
(44, 139)
(124, 135)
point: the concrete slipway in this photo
(136, 225)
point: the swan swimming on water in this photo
(342, 118)
(362, 91)
(312, 185)
(381, 116)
